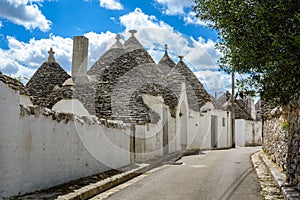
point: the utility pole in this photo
(232, 110)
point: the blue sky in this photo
(29, 28)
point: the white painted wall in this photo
(194, 134)
(182, 108)
(25, 100)
(149, 137)
(224, 132)
(248, 133)
(172, 133)
(71, 106)
(253, 137)
(37, 152)
(240, 132)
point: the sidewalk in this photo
(263, 167)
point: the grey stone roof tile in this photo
(216, 103)
(14, 84)
(166, 58)
(103, 62)
(85, 93)
(132, 43)
(118, 44)
(200, 94)
(41, 84)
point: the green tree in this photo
(260, 39)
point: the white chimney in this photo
(80, 59)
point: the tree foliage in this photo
(260, 39)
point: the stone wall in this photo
(281, 139)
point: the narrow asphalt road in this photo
(218, 174)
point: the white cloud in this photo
(175, 7)
(139, 20)
(198, 54)
(190, 18)
(24, 58)
(111, 4)
(154, 34)
(182, 8)
(203, 54)
(214, 81)
(25, 13)
(98, 44)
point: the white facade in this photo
(215, 129)
(71, 106)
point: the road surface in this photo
(218, 174)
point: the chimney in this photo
(80, 59)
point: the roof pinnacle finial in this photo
(166, 48)
(132, 32)
(118, 44)
(118, 37)
(180, 57)
(51, 58)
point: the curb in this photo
(106, 184)
(289, 193)
(101, 186)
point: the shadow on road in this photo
(227, 195)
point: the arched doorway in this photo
(183, 126)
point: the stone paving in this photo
(269, 188)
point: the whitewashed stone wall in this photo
(149, 137)
(253, 133)
(194, 134)
(248, 133)
(39, 149)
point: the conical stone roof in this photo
(197, 95)
(114, 52)
(166, 60)
(48, 75)
(118, 44)
(132, 43)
